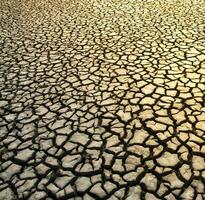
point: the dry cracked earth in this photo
(102, 99)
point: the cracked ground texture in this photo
(102, 99)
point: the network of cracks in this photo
(102, 99)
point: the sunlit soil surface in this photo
(102, 99)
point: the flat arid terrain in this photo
(102, 99)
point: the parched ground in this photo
(102, 99)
